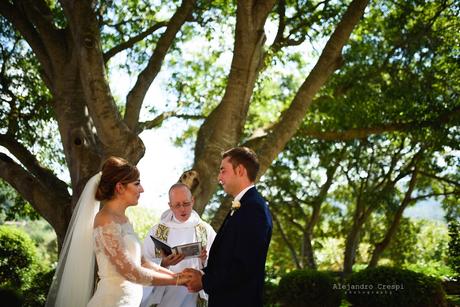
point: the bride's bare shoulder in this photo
(102, 218)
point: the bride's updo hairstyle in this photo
(115, 170)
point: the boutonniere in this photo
(235, 206)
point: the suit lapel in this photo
(217, 241)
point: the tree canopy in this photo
(254, 72)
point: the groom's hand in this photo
(194, 283)
(172, 259)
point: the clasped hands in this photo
(190, 278)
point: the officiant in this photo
(180, 224)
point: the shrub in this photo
(17, 257)
(270, 294)
(393, 287)
(10, 297)
(271, 281)
(37, 293)
(454, 247)
(304, 288)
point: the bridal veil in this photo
(73, 280)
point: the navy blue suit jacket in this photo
(235, 272)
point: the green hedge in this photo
(270, 293)
(308, 288)
(393, 287)
(23, 281)
(454, 247)
(18, 257)
(37, 293)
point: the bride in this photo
(108, 234)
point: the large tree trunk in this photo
(223, 128)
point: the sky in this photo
(161, 167)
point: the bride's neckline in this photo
(113, 222)
(114, 215)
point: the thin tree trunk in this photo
(291, 248)
(382, 245)
(352, 241)
(307, 251)
(351, 246)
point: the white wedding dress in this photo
(118, 254)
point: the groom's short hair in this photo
(246, 157)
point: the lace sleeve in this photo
(109, 238)
(149, 264)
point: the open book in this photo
(190, 250)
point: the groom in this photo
(235, 272)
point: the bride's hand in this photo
(182, 279)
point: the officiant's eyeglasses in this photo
(183, 205)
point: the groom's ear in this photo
(241, 170)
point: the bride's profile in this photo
(107, 236)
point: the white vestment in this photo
(178, 233)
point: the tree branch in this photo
(288, 243)
(132, 41)
(41, 16)
(455, 192)
(382, 245)
(288, 216)
(136, 95)
(112, 131)
(319, 199)
(16, 15)
(50, 202)
(27, 159)
(281, 10)
(327, 63)
(455, 183)
(361, 133)
(158, 121)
